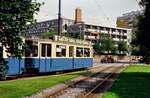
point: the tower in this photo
(78, 16)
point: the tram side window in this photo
(79, 52)
(60, 51)
(46, 50)
(49, 50)
(43, 51)
(86, 52)
(71, 51)
(1, 52)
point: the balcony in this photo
(92, 30)
(91, 37)
(116, 39)
(116, 33)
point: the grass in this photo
(134, 82)
(26, 87)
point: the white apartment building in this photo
(93, 32)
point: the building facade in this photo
(127, 20)
(93, 32)
(48, 26)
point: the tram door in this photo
(72, 55)
(45, 59)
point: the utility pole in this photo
(59, 17)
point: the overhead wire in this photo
(99, 6)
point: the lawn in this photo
(134, 82)
(21, 88)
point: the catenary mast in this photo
(59, 17)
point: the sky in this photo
(100, 12)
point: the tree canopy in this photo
(14, 17)
(122, 47)
(105, 45)
(48, 34)
(143, 34)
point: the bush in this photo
(3, 69)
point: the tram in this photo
(46, 55)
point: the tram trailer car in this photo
(45, 55)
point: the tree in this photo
(122, 47)
(143, 34)
(14, 16)
(105, 45)
(135, 51)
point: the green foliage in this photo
(14, 16)
(3, 69)
(26, 87)
(122, 47)
(48, 34)
(135, 51)
(105, 45)
(143, 34)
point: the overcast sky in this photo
(94, 11)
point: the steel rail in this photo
(101, 82)
(71, 85)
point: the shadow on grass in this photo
(130, 85)
(127, 85)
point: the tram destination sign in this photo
(71, 40)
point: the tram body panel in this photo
(62, 64)
(15, 65)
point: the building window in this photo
(79, 52)
(60, 51)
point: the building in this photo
(127, 19)
(48, 26)
(93, 32)
(78, 29)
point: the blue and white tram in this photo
(47, 55)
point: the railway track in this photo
(86, 87)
